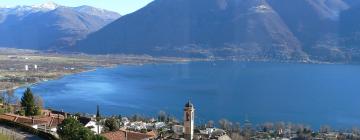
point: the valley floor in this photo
(25, 67)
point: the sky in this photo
(123, 7)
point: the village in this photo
(30, 117)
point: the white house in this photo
(91, 124)
(125, 121)
(138, 125)
(94, 127)
(159, 125)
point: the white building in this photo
(91, 124)
(159, 125)
(94, 127)
(125, 121)
(138, 126)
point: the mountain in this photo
(323, 30)
(236, 28)
(315, 23)
(49, 26)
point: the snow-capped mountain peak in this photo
(48, 6)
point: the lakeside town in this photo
(26, 117)
(25, 67)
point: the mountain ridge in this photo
(50, 26)
(261, 29)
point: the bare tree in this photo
(2, 97)
(162, 116)
(225, 124)
(9, 96)
(210, 124)
(236, 136)
(39, 101)
(237, 127)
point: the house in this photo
(137, 126)
(178, 129)
(47, 123)
(213, 133)
(159, 125)
(51, 125)
(91, 124)
(129, 135)
(210, 131)
(125, 121)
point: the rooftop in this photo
(121, 135)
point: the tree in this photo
(39, 102)
(162, 116)
(236, 136)
(2, 97)
(112, 124)
(72, 129)
(210, 124)
(237, 127)
(28, 103)
(98, 118)
(7, 98)
(10, 96)
(225, 124)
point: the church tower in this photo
(189, 121)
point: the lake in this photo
(313, 94)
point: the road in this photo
(16, 134)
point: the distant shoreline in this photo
(176, 60)
(170, 61)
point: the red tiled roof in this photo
(30, 121)
(120, 135)
(56, 121)
(7, 117)
(49, 121)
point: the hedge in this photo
(28, 129)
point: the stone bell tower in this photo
(189, 121)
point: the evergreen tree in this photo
(98, 118)
(112, 124)
(28, 103)
(72, 129)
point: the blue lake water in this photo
(300, 93)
